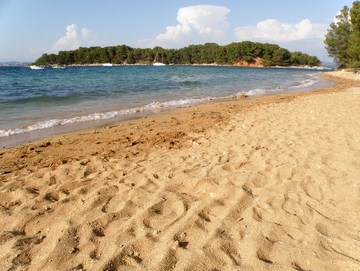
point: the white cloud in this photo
(72, 39)
(86, 33)
(274, 30)
(195, 24)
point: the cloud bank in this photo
(72, 39)
(276, 31)
(195, 24)
(209, 23)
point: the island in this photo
(244, 53)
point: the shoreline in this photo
(262, 183)
(16, 136)
(224, 109)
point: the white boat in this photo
(34, 67)
(157, 63)
(107, 65)
(58, 67)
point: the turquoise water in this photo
(38, 99)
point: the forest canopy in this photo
(209, 53)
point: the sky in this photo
(29, 28)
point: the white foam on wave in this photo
(302, 84)
(261, 91)
(152, 107)
(308, 82)
(257, 91)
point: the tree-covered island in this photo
(239, 53)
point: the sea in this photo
(37, 103)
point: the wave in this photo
(152, 107)
(261, 91)
(45, 99)
(300, 85)
(306, 83)
(186, 80)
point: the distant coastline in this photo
(14, 64)
(196, 65)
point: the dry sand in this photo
(257, 184)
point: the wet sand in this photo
(268, 183)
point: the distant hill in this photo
(328, 64)
(13, 63)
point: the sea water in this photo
(34, 100)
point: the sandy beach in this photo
(267, 183)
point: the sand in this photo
(271, 183)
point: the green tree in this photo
(337, 38)
(281, 57)
(301, 59)
(209, 52)
(354, 39)
(111, 52)
(130, 57)
(65, 58)
(121, 53)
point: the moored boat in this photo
(157, 63)
(58, 67)
(34, 67)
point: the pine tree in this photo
(337, 38)
(354, 39)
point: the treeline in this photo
(343, 37)
(209, 53)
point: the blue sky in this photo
(29, 28)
